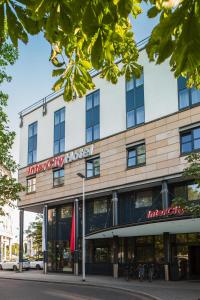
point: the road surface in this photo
(29, 290)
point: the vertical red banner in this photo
(72, 237)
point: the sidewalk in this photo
(160, 290)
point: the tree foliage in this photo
(34, 232)
(86, 34)
(191, 172)
(9, 187)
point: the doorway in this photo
(194, 261)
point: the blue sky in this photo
(32, 78)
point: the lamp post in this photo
(83, 226)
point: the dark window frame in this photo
(27, 180)
(189, 91)
(185, 187)
(135, 107)
(189, 131)
(100, 201)
(140, 192)
(93, 122)
(58, 140)
(134, 148)
(93, 169)
(34, 137)
(63, 177)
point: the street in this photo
(29, 290)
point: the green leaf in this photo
(58, 84)
(153, 12)
(56, 62)
(58, 72)
(125, 7)
(96, 53)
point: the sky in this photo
(32, 80)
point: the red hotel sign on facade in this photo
(59, 161)
(171, 211)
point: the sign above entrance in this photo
(171, 211)
(59, 161)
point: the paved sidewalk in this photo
(160, 290)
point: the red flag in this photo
(72, 237)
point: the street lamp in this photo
(83, 227)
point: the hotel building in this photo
(130, 141)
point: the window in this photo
(58, 177)
(92, 117)
(100, 207)
(187, 191)
(135, 101)
(143, 199)
(66, 212)
(187, 97)
(190, 141)
(93, 167)
(32, 143)
(136, 156)
(59, 131)
(31, 185)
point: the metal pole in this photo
(21, 232)
(45, 216)
(83, 233)
(76, 237)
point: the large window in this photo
(190, 141)
(92, 117)
(100, 207)
(187, 97)
(136, 156)
(59, 131)
(32, 143)
(58, 177)
(135, 101)
(188, 191)
(31, 185)
(143, 199)
(93, 167)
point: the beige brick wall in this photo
(162, 158)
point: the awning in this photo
(156, 228)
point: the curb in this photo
(137, 293)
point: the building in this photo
(130, 140)
(6, 232)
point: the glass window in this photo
(100, 207)
(58, 177)
(135, 101)
(93, 167)
(187, 97)
(193, 192)
(136, 155)
(92, 117)
(32, 143)
(66, 212)
(59, 131)
(31, 185)
(190, 141)
(143, 199)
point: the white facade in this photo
(160, 97)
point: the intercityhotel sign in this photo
(171, 211)
(59, 161)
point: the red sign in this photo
(171, 211)
(55, 162)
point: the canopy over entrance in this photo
(156, 228)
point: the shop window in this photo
(102, 255)
(31, 185)
(190, 141)
(190, 192)
(136, 156)
(187, 97)
(32, 143)
(100, 207)
(92, 117)
(143, 199)
(93, 167)
(66, 212)
(58, 177)
(135, 101)
(59, 131)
